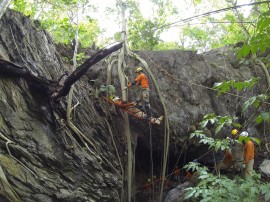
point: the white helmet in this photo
(244, 133)
(116, 98)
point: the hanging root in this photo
(166, 125)
(119, 159)
(82, 137)
(8, 142)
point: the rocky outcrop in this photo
(49, 161)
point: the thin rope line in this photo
(199, 85)
(210, 13)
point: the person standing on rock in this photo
(237, 151)
(142, 99)
(248, 155)
(235, 158)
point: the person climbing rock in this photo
(130, 107)
(142, 99)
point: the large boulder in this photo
(265, 168)
(50, 162)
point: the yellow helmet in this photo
(234, 132)
(111, 97)
(139, 69)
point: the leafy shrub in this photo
(214, 188)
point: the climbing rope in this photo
(118, 157)
(179, 156)
(177, 80)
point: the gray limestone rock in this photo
(50, 161)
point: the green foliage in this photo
(232, 33)
(24, 7)
(216, 144)
(214, 188)
(259, 41)
(245, 139)
(59, 18)
(264, 116)
(217, 121)
(255, 101)
(168, 46)
(215, 31)
(199, 37)
(195, 166)
(144, 33)
(195, 2)
(80, 57)
(226, 86)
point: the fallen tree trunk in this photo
(10, 69)
(52, 88)
(82, 69)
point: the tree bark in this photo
(13, 70)
(82, 69)
(51, 87)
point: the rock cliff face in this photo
(55, 165)
(50, 163)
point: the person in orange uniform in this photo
(248, 155)
(142, 99)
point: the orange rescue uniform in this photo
(141, 80)
(248, 151)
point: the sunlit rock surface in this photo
(54, 165)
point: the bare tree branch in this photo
(51, 87)
(13, 70)
(82, 69)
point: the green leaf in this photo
(219, 128)
(245, 50)
(192, 135)
(265, 116)
(190, 193)
(218, 144)
(248, 103)
(267, 196)
(241, 138)
(262, 24)
(203, 123)
(259, 119)
(257, 140)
